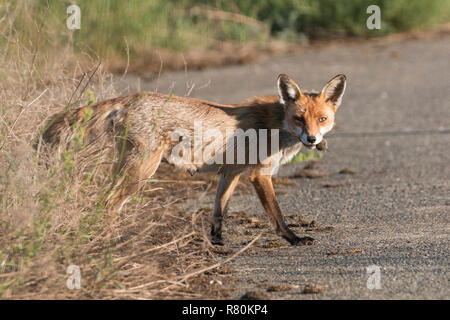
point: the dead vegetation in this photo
(51, 201)
(312, 288)
(350, 251)
(219, 54)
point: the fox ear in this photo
(334, 90)
(287, 89)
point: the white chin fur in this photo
(310, 146)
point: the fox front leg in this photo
(264, 188)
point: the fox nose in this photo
(311, 139)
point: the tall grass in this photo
(51, 213)
(115, 28)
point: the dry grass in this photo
(51, 201)
(51, 212)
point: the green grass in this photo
(304, 156)
(112, 28)
(316, 18)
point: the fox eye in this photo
(297, 118)
(322, 119)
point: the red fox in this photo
(147, 128)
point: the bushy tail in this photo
(91, 122)
(99, 135)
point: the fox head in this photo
(310, 115)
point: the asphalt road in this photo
(393, 131)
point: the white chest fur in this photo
(289, 153)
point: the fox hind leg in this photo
(137, 167)
(228, 182)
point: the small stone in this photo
(313, 288)
(255, 295)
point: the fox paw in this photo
(216, 237)
(218, 241)
(303, 241)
